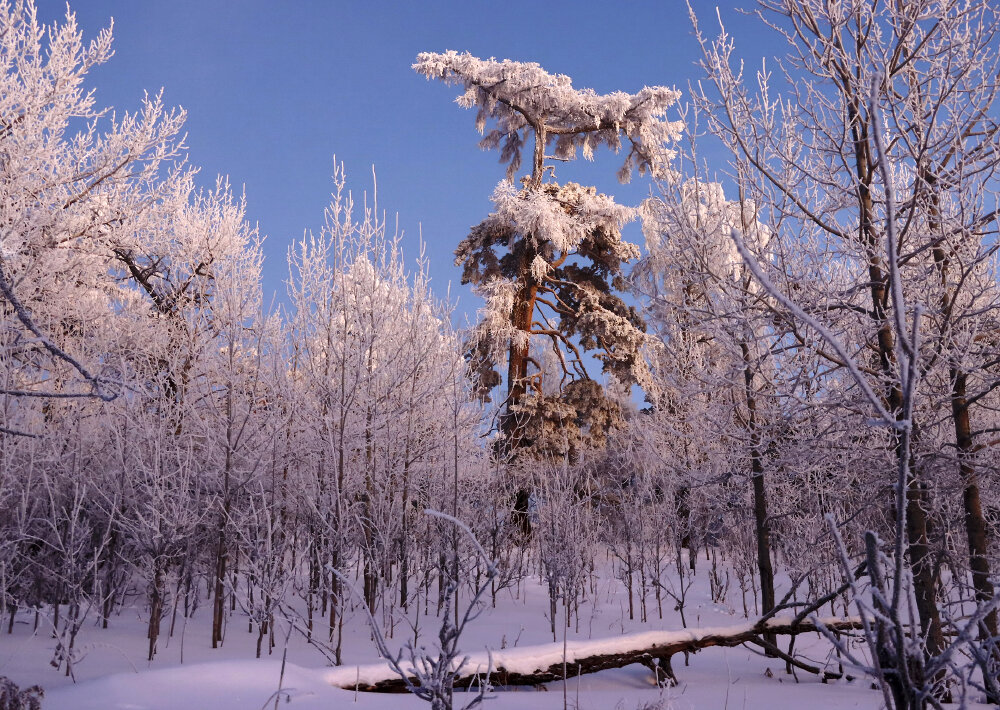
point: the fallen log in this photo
(532, 665)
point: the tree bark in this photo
(155, 607)
(975, 523)
(762, 525)
(218, 603)
(924, 576)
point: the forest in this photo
(761, 441)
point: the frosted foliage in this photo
(701, 208)
(560, 216)
(369, 288)
(607, 327)
(539, 268)
(80, 188)
(516, 95)
(495, 332)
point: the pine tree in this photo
(549, 259)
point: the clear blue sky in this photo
(274, 89)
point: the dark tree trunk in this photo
(924, 576)
(762, 524)
(922, 562)
(155, 608)
(975, 523)
(219, 602)
(110, 577)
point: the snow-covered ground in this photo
(245, 685)
(187, 674)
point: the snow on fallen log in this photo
(531, 665)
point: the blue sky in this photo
(274, 89)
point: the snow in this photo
(114, 674)
(246, 685)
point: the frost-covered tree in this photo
(714, 369)
(549, 259)
(922, 76)
(72, 177)
(382, 409)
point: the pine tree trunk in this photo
(517, 367)
(512, 425)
